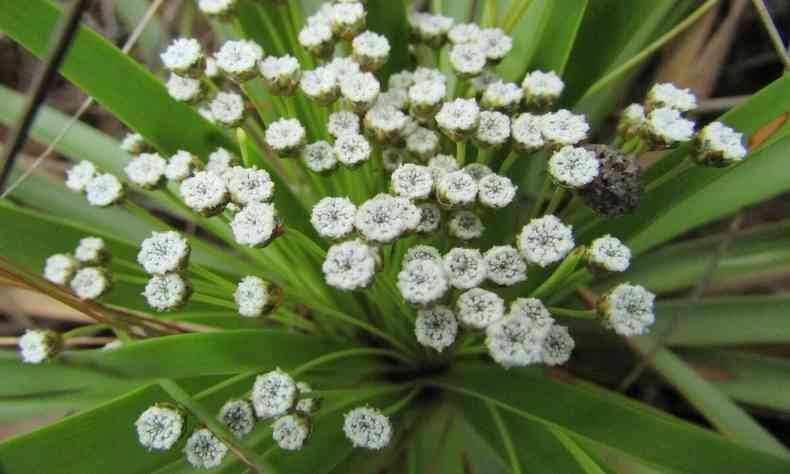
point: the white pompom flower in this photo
(425, 98)
(255, 296)
(104, 190)
(465, 225)
(352, 149)
(367, 428)
(333, 217)
(627, 309)
(281, 75)
(319, 157)
(290, 432)
(430, 217)
(527, 132)
(458, 119)
(378, 219)
(91, 251)
(422, 282)
(256, 224)
(146, 170)
(436, 327)
(350, 265)
(360, 90)
(239, 59)
(60, 268)
(545, 240)
(249, 185)
(273, 394)
(412, 181)
(609, 254)
(385, 123)
(465, 268)
(184, 89)
(79, 175)
(164, 252)
(204, 450)
(719, 145)
(506, 266)
(422, 252)
(493, 130)
(348, 19)
(205, 193)
(134, 144)
(370, 50)
(467, 59)
(285, 137)
(477, 171)
(181, 166)
(184, 57)
(496, 191)
(220, 161)
(631, 121)
(441, 164)
(90, 283)
(423, 143)
(542, 89)
(540, 320)
(665, 127)
(320, 85)
(238, 417)
(228, 109)
(495, 44)
(557, 346)
(159, 427)
(456, 189)
(503, 96)
(166, 292)
(317, 40)
(478, 308)
(669, 95)
(218, 8)
(343, 122)
(39, 345)
(464, 33)
(573, 167)
(512, 342)
(563, 127)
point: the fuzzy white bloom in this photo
(360, 89)
(478, 308)
(220, 161)
(545, 241)
(164, 252)
(248, 185)
(90, 283)
(412, 181)
(669, 95)
(496, 191)
(255, 296)
(60, 268)
(163, 292)
(104, 190)
(146, 170)
(343, 66)
(320, 85)
(343, 123)
(540, 320)
(719, 145)
(408, 213)
(430, 29)
(350, 265)
(351, 149)
(183, 56)
(423, 143)
(317, 39)
(378, 219)
(467, 59)
(464, 33)
(502, 96)
(205, 192)
(227, 108)
(370, 50)
(290, 432)
(527, 132)
(436, 327)
(665, 127)
(458, 119)
(564, 128)
(422, 282)
(465, 268)
(542, 88)
(428, 74)
(426, 96)
(422, 252)
(273, 394)
(493, 130)
(256, 224)
(306, 405)
(505, 265)
(333, 217)
(319, 157)
(348, 19)
(237, 416)
(401, 80)
(216, 7)
(465, 225)
(609, 253)
(512, 342)
(134, 143)
(238, 59)
(182, 165)
(184, 89)
(204, 450)
(280, 74)
(159, 427)
(79, 175)
(480, 83)
(398, 98)
(367, 428)
(573, 167)
(456, 189)
(557, 346)
(441, 165)
(385, 123)
(627, 309)
(285, 136)
(39, 345)
(495, 43)
(631, 120)
(430, 217)
(477, 171)
(91, 250)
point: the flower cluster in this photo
(85, 271)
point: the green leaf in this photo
(388, 18)
(609, 419)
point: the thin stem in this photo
(213, 301)
(556, 199)
(356, 352)
(460, 150)
(773, 32)
(506, 438)
(669, 175)
(541, 197)
(574, 313)
(561, 274)
(212, 277)
(511, 159)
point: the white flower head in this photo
(220, 161)
(290, 432)
(104, 190)
(456, 189)
(608, 253)
(422, 252)
(430, 29)
(430, 217)
(428, 74)
(79, 175)
(493, 130)
(90, 283)
(506, 266)
(182, 165)
(464, 33)
(255, 296)
(477, 171)
(408, 213)
(465, 268)
(370, 50)
(320, 84)
(204, 450)
(627, 309)
(134, 144)
(164, 252)
(184, 56)
(306, 405)
(512, 342)
(146, 170)
(333, 217)
(478, 308)
(573, 167)
(436, 327)
(527, 131)
(458, 119)
(441, 164)
(60, 268)
(401, 80)
(718, 145)
(423, 143)
(425, 98)
(91, 251)
(542, 89)
(273, 394)
(465, 225)
(164, 292)
(350, 265)
(238, 416)
(342, 123)
(412, 181)
(39, 345)
(343, 66)
(503, 96)
(360, 90)
(385, 123)
(480, 83)
(319, 157)
(348, 19)
(238, 59)
(422, 282)
(367, 428)
(228, 110)
(398, 98)
(317, 39)
(256, 224)
(159, 427)
(468, 59)
(669, 95)
(495, 43)
(540, 320)
(378, 219)
(496, 191)
(280, 74)
(218, 8)
(557, 346)
(184, 89)
(352, 149)
(665, 127)
(285, 136)
(205, 192)
(545, 241)
(631, 121)
(564, 128)
(248, 185)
